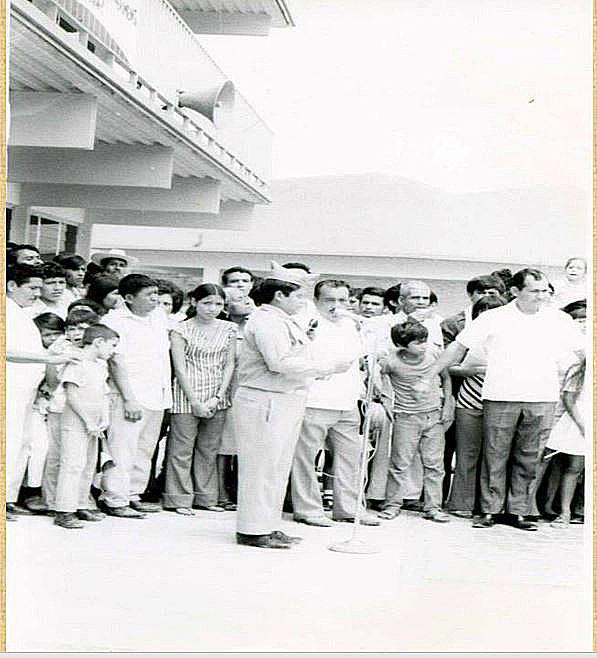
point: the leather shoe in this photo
(150, 508)
(17, 510)
(260, 541)
(90, 515)
(319, 521)
(67, 520)
(523, 524)
(437, 515)
(289, 539)
(365, 519)
(123, 512)
(483, 521)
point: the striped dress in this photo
(205, 358)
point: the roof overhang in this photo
(127, 110)
(233, 17)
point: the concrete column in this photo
(84, 232)
(19, 224)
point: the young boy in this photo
(84, 418)
(51, 328)
(52, 298)
(77, 321)
(418, 419)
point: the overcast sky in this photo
(464, 95)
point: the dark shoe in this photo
(67, 520)
(260, 541)
(319, 521)
(524, 524)
(412, 505)
(484, 521)
(17, 510)
(289, 539)
(149, 508)
(90, 515)
(437, 515)
(123, 512)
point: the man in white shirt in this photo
(331, 412)
(25, 370)
(523, 341)
(141, 371)
(415, 298)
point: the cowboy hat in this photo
(99, 256)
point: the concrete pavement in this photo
(172, 583)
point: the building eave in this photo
(165, 123)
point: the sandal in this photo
(562, 521)
(211, 508)
(229, 506)
(389, 513)
(184, 511)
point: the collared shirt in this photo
(522, 351)
(22, 336)
(60, 308)
(341, 338)
(145, 346)
(275, 355)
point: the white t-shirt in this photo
(522, 351)
(144, 342)
(338, 340)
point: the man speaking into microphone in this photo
(274, 371)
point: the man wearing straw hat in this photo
(275, 369)
(114, 261)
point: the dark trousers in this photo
(469, 440)
(512, 431)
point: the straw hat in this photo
(99, 256)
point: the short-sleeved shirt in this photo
(522, 351)
(90, 377)
(205, 358)
(342, 339)
(145, 345)
(405, 375)
(60, 346)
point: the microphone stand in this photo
(355, 544)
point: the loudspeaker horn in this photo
(212, 103)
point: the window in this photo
(52, 237)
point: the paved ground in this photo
(169, 583)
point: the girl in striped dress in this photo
(469, 423)
(203, 351)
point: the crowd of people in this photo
(127, 396)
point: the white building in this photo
(377, 229)
(96, 133)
